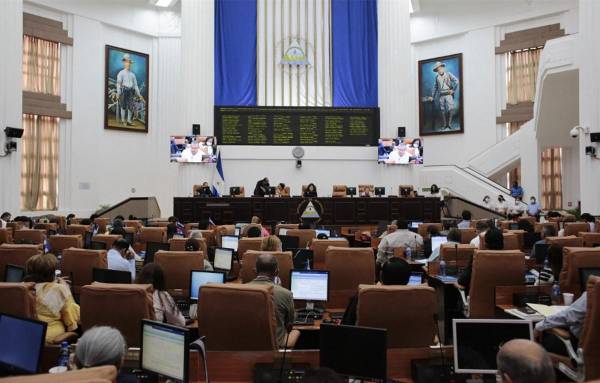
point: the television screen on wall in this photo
(193, 149)
(400, 151)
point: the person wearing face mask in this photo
(486, 202)
(534, 208)
(501, 205)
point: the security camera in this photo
(574, 132)
(13, 132)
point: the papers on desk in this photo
(524, 314)
(534, 312)
(546, 310)
(446, 278)
(421, 261)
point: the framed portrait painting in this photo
(441, 95)
(126, 90)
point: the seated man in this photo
(267, 271)
(521, 360)
(466, 220)
(591, 220)
(534, 208)
(399, 238)
(494, 240)
(453, 238)
(481, 227)
(396, 271)
(120, 258)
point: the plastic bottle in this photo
(63, 357)
(546, 263)
(442, 267)
(555, 293)
(46, 246)
(307, 264)
(57, 274)
(408, 253)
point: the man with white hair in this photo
(192, 153)
(399, 155)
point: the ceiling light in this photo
(164, 3)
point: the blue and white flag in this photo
(218, 178)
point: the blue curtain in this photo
(235, 52)
(354, 50)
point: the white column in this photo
(589, 99)
(11, 78)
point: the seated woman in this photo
(54, 303)
(311, 191)
(103, 346)
(271, 243)
(263, 230)
(281, 191)
(192, 244)
(165, 309)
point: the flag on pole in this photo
(218, 179)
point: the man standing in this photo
(445, 86)
(516, 191)
(534, 208)
(127, 90)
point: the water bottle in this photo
(408, 253)
(63, 357)
(442, 267)
(46, 246)
(307, 264)
(555, 293)
(57, 275)
(546, 263)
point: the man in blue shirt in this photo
(534, 208)
(516, 191)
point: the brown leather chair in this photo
(520, 237)
(511, 241)
(137, 224)
(78, 264)
(339, 191)
(305, 236)
(60, 242)
(539, 227)
(16, 255)
(245, 244)
(177, 266)
(18, 299)
(410, 188)
(405, 311)
(107, 239)
(366, 190)
(223, 230)
(34, 236)
(284, 261)
(574, 228)
(348, 268)
(286, 226)
(189, 227)
(47, 227)
(573, 259)
(178, 244)
(153, 234)
(102, 374)
(242, 192)
(102, 224)
(81, 230)
(467, 235)
(505, 224)
(591, 239)
(486, 276)
(425, 226)
(454, 254)
(570, 241)
(117, 305)
(531, 220)
(319, 247)
(5, 236)
(220, 309)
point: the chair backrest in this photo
(118, 305)
(244, 231)
(242, 192)
(102, 374)
(339, 191)
(245, 244)
(284, 261)
(78, 230)
(486, 276)
(133, 223)
(177, 266)
(305, 236)
(467, 235)
(18, 299)
(61, 242)
(366, 189)
(220, 309)
(511, 241)
(285, 226)
(591, 239)
(286, 192)
(570, 241)
(153, 234)
(16, 255)
(79, 263)
(189, 227)
(5, 236)
(406, 312)
(573, 259)
(348, 268)
(222, 230)
(178, 244)
(531, 220)
(574, 228)
(457, 254)
(108, 239)
(319, 247)
(35, 236)
(539, 227)
(102, 224)
(425, 226)
(590, 333)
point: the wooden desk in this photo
(337, 211)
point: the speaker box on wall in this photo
(401, 131)
(595, 137)
(196, 129)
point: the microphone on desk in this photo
(437, 329)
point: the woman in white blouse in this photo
(165, 308)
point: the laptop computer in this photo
(14, 274)
(111, 276)
(199, 278)
(152, 248)
(416, 278)
(21, 345)
(230, 242)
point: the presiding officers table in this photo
(335, 210)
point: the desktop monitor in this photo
(351, 191)
(223, 259)
(585, 273)
(541, 252)
(359, 352)
(437, 241)
(21, 344)
(310, 285)
(289, 242)
(110, 276)
(416, 278)
(237, 231)
(513, 226)
(95, 245)
(379, 191)
(199, 278)
(165, 350)
(272, 190)
(323, 231)
(152, 248)
(234, 190)
(477, 342)
(230, 242)
(283, 231)
(14, 274)
(415, 224)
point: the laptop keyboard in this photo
(184, 307)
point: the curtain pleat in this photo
(521, 74)
(41, 66)
(552, 178)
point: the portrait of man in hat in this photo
(126, 105)
(440, 109)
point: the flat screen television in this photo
(193, 149)
(400, 151)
